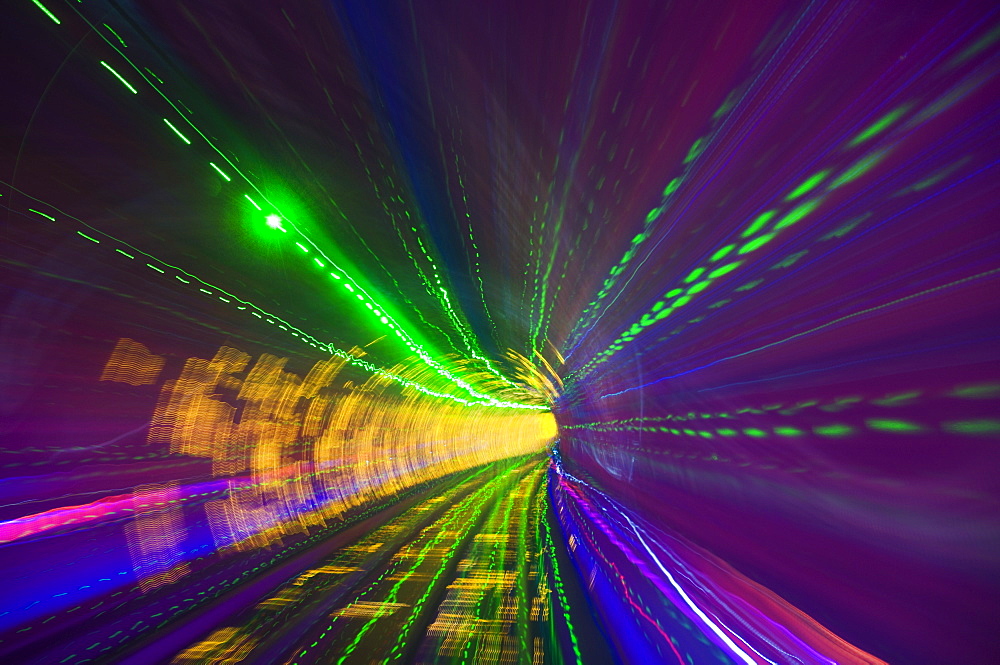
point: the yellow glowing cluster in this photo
(132, 363)
(302, 452)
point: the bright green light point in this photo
(273, 221)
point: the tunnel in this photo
(524, 332)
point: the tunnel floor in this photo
(465, 570)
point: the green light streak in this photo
(695, 274)
(220, 172)
(696, 149)
(889, 425)
(983, 426)
(896, 399)
(977, 46)
(47, 12)
(671, 187)
(861, 167)
(759, 223)
(48, 217)
(977, 391)
(721, 253)
(177, 131)
(696, 288)
(834, 430)
(808, 185)
(756, 243)
(477, 268)
(846, 228)
(797, 214)
(726, 269)
(559, 587)
(150, 72)
(120, 78)
(117, 36)
(791, 260)
(878, 126)
(88, 237)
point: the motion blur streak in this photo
(543, 332)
